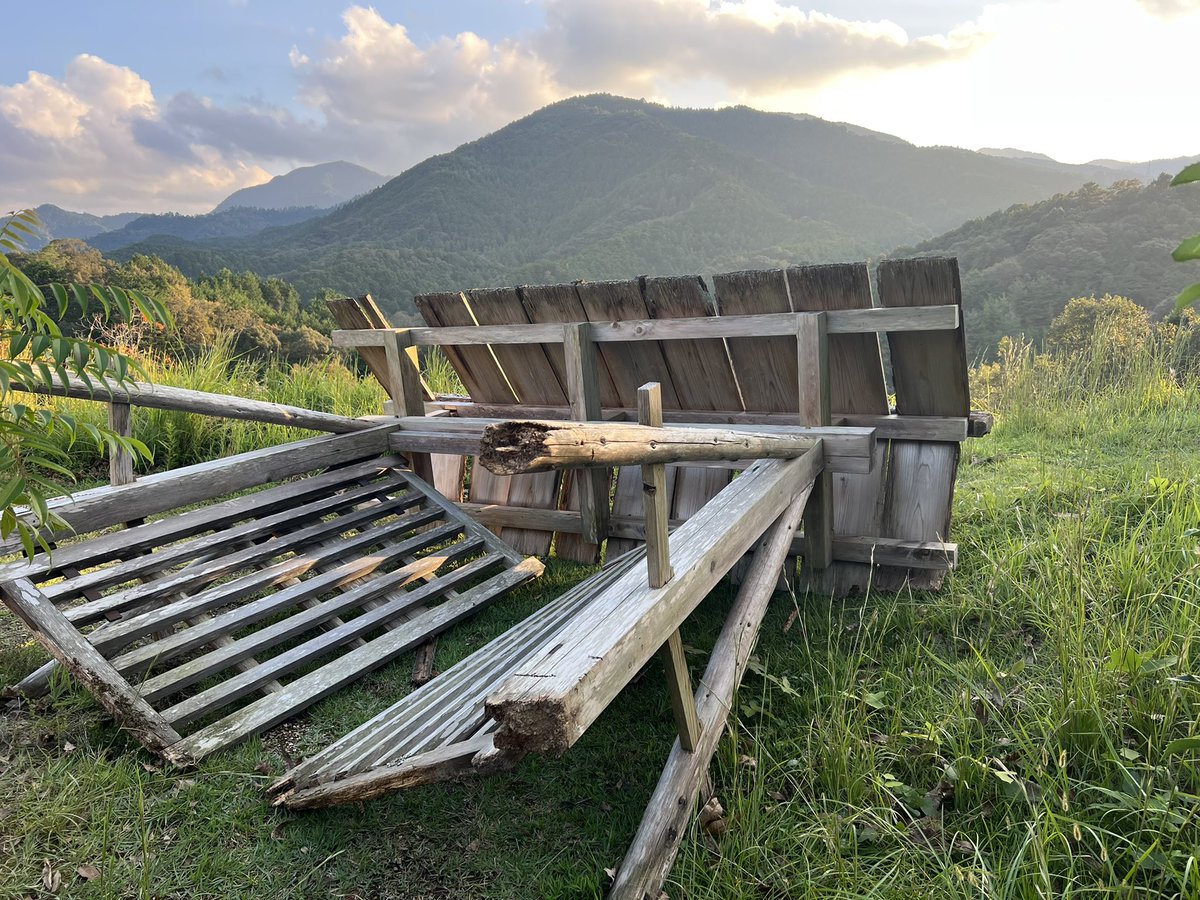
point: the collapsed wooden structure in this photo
(609, 414)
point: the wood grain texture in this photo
(929, 371)
(765, 368)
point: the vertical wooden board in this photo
(533, 379)
(929, 372)
(448, 474)
(481, 376)
(627, 501)
(856, 385)
(360, 313)
(703, 378)
(699, 369)
(560, 303)
(765, 368)
(475, 365)
(630, 364)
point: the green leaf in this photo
(1188, 175)
(61, 297)
(1189, 249)
(1125, 660)
(11, 490)
(1188, 296)
(1183, 746)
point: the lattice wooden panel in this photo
(203, 628)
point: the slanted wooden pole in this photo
(659, 572)
(120, 461)
(812, 356)
(583, 392)
(404, 386)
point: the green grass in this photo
(1008, 737)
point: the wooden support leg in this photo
(583, 392)
(404, 386)
(812, 355)
(650, 856)
(658, 563)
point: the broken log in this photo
(513, 448)
(650, 856)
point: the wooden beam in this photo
(510, 448)
(120, 460)
(655, 502)
(161, 396)
(649, 858)
(86, 663)
(679, 691)
(583, 392)
(812, 349)
(843, 321)
(404, 387)
(562, 690)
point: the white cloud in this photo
(90, 142)
(1058, 76)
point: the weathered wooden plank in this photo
(404, 387)
(649, 858)
(120, 461)
(100, 549)
(765, 367)
(583, 392)
(86, 663)
(363, 313)
(317, 685)
(441, 764)
(857, 389)
(163, 558)
(560, 692)
(231, 689)
(812, 349)
(679, 692)
(161, 396)
(655, 502)
(101, 507)
(929, 371)
(629, 330)
(220, 566)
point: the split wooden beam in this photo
(511, 448)
(649, 858)
(563, 689)
(812, 356)
(583, 391)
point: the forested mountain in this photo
(602, 186)
(321, 186)
(62, 223)
(237, 221)
(1022, 265)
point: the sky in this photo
(133, 105)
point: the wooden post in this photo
(658, 567)
(120, 462)
(583, 393)
(812, 356)
(404, 386)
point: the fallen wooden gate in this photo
(215, 623)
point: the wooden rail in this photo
(843, 321)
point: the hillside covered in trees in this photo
(1021, 266)
(603, 186)
(260, 317)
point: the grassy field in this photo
(1028, 732)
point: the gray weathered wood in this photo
(679, 691)
(649, 858)
(85, 662)
(583, 392)
(120, 461)
(655, 502)
(812, 349)
(561, 692)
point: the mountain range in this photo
(603, 186)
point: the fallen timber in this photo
(649, 858)
(550, 704)
(512, 448)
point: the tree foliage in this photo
(36, 354)
(1189, 249)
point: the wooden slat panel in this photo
(929, 371)
(856, 385)
(533, 378)
(765, 367)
